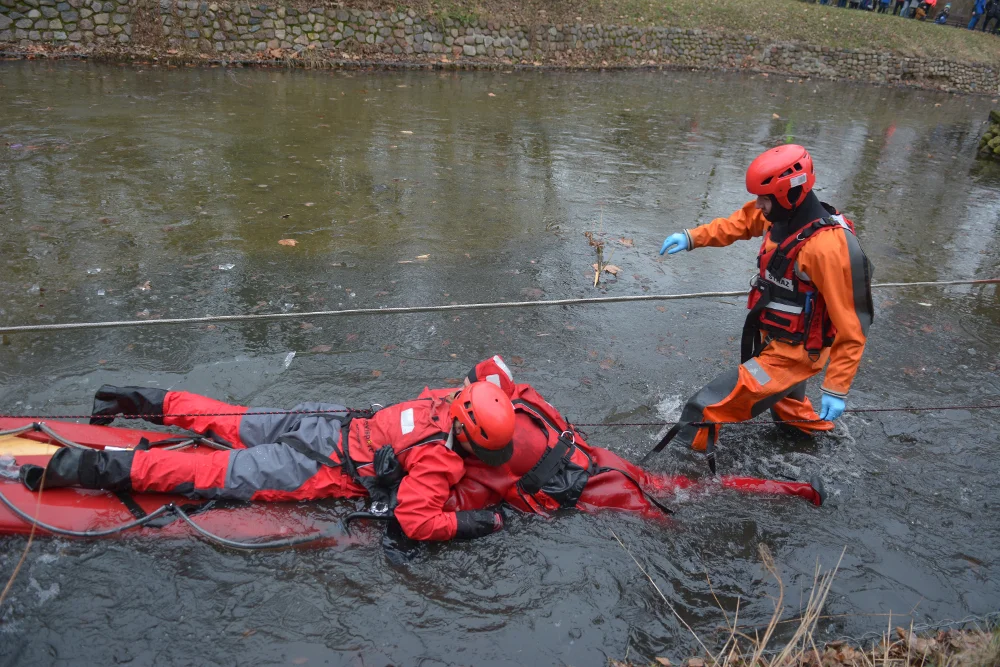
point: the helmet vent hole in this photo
(766, 180)
(798, 167)
(787, 172)
(482, 432)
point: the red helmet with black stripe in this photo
(776, 171)
(486, 419)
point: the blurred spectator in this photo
(943, 16)
(926, 9)
(992, 14)
(978, 10)
(883, 6)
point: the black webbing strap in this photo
(536, 478)
(786, 252)
(713, 437)
(750, 341)
(671, 434)
(305, 451)
(130, 504)
(653, 501)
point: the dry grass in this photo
(769, 20)
(899, 647)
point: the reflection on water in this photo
(141, 193)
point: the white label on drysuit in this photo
(499, 362)
(406, 421)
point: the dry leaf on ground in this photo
(288, 242)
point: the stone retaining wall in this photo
(66, 21)
(230, 30)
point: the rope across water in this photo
(401, 310)
(160, 415)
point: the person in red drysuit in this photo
(406, 454)
(553, 467)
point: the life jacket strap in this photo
(533, 480)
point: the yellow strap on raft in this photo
(17, 446)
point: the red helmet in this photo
(486, 416)
(780, 169)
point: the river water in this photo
(132, 193)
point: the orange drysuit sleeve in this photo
(840, 271)
(744, 224)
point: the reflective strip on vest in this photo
(784, 307)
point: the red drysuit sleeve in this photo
(432, 470)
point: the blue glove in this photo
(678, 241)
(831, 408)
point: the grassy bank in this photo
(778, 20)
(900, 646)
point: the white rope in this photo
(400, 310)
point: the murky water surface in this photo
(142, 193)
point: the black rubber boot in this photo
(111, 400)
(86, 468)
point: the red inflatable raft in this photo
(88, 511)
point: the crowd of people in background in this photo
(987, 11)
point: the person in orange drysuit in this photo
(810, 304)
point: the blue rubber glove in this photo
(678, 241)
(831, 408)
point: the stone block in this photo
(119, 19)
(71, 16)
(4, 22)
(469, 49)
(34, 35)
(59, 36)
(20, 34)
(6, 35)
(41, 24)
(35, 14)
(24, 24)
(101, 31)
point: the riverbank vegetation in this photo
(791, 642)
(777, 20)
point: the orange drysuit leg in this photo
(770, 380)
(798, 409)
